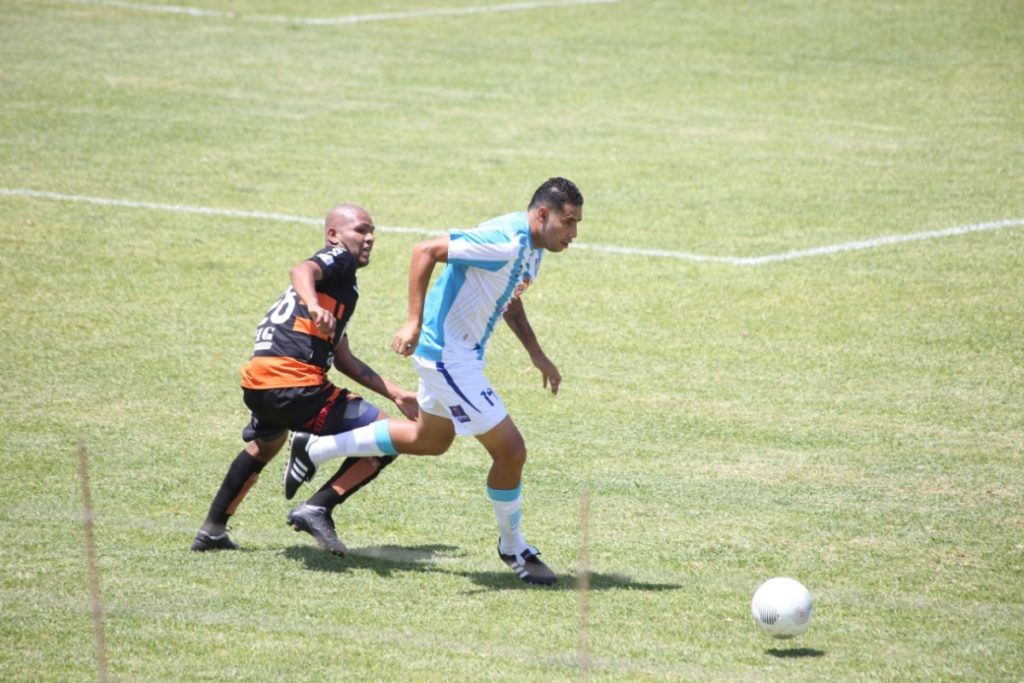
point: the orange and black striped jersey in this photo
(289, 350)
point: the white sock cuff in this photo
(362, 442)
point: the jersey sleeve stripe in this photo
(486, 249)
(479, 236)
(482, 265)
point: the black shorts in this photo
(323, 409)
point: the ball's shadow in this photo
(795, 652)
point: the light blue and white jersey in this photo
(487, 266)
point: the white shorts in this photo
(461, 393)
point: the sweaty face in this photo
(355, 233)
(559, 227)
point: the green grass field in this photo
(853, 419)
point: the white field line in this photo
(202, 210)
(346, 19)
(162, 9)
(858, 245)
(605, 248)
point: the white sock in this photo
(366, 441)
(507, 506)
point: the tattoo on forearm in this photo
(366, 373)
(516, 319)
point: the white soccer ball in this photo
(782, 607)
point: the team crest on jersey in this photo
(521, 288)
(458, 413)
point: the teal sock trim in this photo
(383, 437)
(504, 495)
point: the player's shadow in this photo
(795, 652)
(566, 582)
(387, 559)
(384, 560)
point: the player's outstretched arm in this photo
(349, 365)
(515, 316)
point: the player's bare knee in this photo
(513, 457)
(264, 451)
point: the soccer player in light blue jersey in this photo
(487, 270)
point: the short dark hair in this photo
(555, 193)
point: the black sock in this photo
(242, 474)
(354, 474)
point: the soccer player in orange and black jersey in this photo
(285, 383)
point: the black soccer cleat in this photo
(528, 566)
(204, 542)
(316, 521)
(300, 468)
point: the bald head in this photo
(346, 213)
(351, 227)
